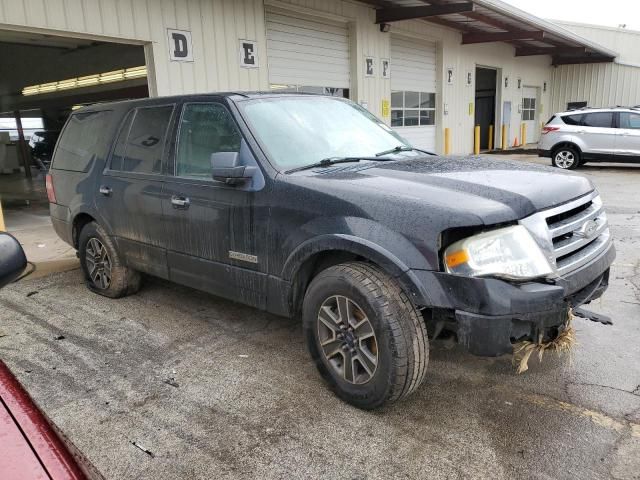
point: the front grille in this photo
(579, 232)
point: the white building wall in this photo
(218, 25)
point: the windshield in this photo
(301, 130)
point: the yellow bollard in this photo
(505, 140)
(447, 141)
(523, 134)
(476, 140)
(2, 227)
(490, 137)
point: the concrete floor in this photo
(212, 389)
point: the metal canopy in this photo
(483, 21)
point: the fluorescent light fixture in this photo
(87, 81)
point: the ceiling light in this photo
(87, 81)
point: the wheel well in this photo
(78, 224)
(312, 266)
(565, 144)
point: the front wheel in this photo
(104, 272)
(368, 340)
(567, 158)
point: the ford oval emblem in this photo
(588, 229)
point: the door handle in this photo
(106, 191)
(180, 202)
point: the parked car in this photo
(310, 206)
(31, 446)
(575, 137)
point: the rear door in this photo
(128, 193)
(628, 138)
(597, 133)
(215, 240)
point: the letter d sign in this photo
(180, 49)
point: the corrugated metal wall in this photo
(598, 84)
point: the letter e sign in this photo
(180, 48)
(248, 54)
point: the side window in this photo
(140, 146)
(205, 128)
(121, 144)
(630, 120)
(573, 119)
(599, 119)
(80, 140)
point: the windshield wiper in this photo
(325, 162)
(402, 148)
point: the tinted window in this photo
(80, 140)
(142, 151)
(629, 120)
(121, 144)
(600, 119)
(205, 128)
(573, 119)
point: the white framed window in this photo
(528, 109)
(412, 109)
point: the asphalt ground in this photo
(174, 383)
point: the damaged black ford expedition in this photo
(309, 206)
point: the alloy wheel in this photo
(347, 339)
(98, 264)
(565, 159)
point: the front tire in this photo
(104, 272)
(566, 158)
(367, 339)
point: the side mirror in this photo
(12, 259)
(225, 167)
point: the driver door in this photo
(213, 238)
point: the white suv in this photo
(573, 138)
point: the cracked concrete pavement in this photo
(214, 389)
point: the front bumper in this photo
(492, 314)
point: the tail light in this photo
(549, 129)
(51, 193)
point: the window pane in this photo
(205, 128)
(427, 117)
(410, 118)
(145, 144)
(526, 103)
(600, 119)
(629, 120)
(121, 145)
(77, 145)
(427, 100)
(533, 104)
(396, 118)
(573, 119)
(396, 99)
(411, 99)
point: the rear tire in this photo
(104, 272)
(566, 158)
(367, 339)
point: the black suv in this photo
(310, 206)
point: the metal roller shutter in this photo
(306, 55)
(413, 87)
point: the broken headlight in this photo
(509, 253)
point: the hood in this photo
(494, 190)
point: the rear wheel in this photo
(103, 270)
(567, 158)
(367, 339)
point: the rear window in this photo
(79, 142)
(553, 117)
(599, 119)
(573, 119)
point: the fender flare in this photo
(373, 252)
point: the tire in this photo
(103, 269)
(566, 158)
(386, 367)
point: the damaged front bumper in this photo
(493, 314)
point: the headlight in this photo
(506, 252)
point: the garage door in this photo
(413, 90)
(307, 55)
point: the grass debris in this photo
(563, 343)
